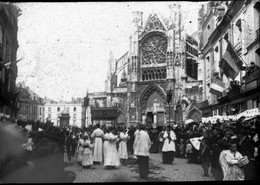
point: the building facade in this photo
(8, 67)
(53, 110)
(161, 58)
(30, 104)
(234, 23)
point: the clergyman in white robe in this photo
(168, 147)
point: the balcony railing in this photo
(258, 33)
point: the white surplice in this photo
(233, 171)
(169, 146)
(142, 144)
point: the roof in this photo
(27, 94)
(105, 113)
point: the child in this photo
(122, 146)
(87, 159)
(188, 150)
(80, 149)
(204, 156)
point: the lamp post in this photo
(169, 99)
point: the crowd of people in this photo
(32, 153)
(218, 148)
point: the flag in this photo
(86, 100)
(230, 63)
(217, 86)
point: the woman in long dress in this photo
(160, 137)
(97, 135)
(122, 146)
(112, 159)
(229, 163)
(87, 159)
(105, 138)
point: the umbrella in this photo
(196, 142)
(188, 121)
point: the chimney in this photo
(220, 12)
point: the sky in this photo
(65, 46)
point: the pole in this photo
(169, 113)
(85, 120)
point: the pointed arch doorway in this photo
(153, 101)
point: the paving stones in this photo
(180, 170)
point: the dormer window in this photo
(226, 37)
(216, 49)
(220, 12)
(238, 24)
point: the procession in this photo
(227, 150)
(129, 91)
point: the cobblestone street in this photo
(180, 170)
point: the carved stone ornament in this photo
(153, 24)
(154, 50)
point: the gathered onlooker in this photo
(204, 156)
(131, 140)
(160, 137)
(188, 151)
(246, 148)
(182, 148)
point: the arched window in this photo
(156, 75)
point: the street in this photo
(180, 170)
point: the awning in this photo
(203, 105)
(105, 113)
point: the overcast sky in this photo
(65, 46)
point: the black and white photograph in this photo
(130, 91)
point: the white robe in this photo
(231, 170)
(122, 146)
(98, 148)
(106, 136)
(142, 144)
(169, 146)
(111, 157)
